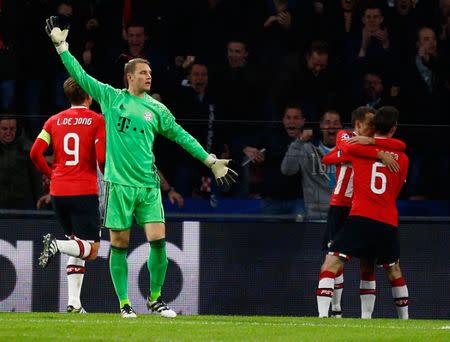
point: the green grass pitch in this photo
(110, 327)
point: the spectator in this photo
(370, 48)
(237, 79)
(8, 54)
(340, 22)
(307, 80)
(137, 46)
(425, 98)
(305, 157)
(374, 93)
(282, 27)
(20, 183)
(281, 194)
(194, 105)
(404, 20)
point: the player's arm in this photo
(37, 153)
(173, 131)
(391, 143)
(100, 145)
(99, 91)
(371, 152)
(334, 157)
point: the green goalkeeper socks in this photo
(157, 266)
(118, 266)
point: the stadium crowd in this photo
(231, 71)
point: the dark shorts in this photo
(364, 237)
(336, 218)
(78, 215)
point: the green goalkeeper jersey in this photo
(132, 123)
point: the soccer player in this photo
(341, 200)
(133, 119)
(78, 139)
(371, 228)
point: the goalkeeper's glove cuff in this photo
(64, 46)
(210, 160)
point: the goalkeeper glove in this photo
(57, 35)
(220, 169)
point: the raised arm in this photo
(292, 159)
(99, 91)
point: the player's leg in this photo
(118, 215)
(336, 309)
(335, 221)
(325, 288)
(367, 287)
(388, 256)
(118, 267)
(399, 290)
(75, 214)
(75, 273)
(150, 214)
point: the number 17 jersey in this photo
(74, 134)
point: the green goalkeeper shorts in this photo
(122, 203)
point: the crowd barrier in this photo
(223, 268)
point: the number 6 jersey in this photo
(78, 138)
(375, 188)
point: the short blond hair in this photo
(130, 66)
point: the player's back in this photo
(74, 133)
(343, 190)
(376, 188)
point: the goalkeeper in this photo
(133, 119)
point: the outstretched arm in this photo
(219, 167)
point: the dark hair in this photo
(135, 24)
(360, 114)
(329, 111)
(294, 105)
(371, 7)
(73, 91)
(385, 118)
(420, 29)
(320, 47)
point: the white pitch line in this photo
(234, 323)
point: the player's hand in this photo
(362, 140)
(56, 34)
(221, 171)
(175, 197)
(389, 161)
(43, 201)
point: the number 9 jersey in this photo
(78, 138)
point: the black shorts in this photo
(364, 237)
(78, 215)
(336, 218)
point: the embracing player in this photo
(341, 200)
(78, 139)
(370, 232)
